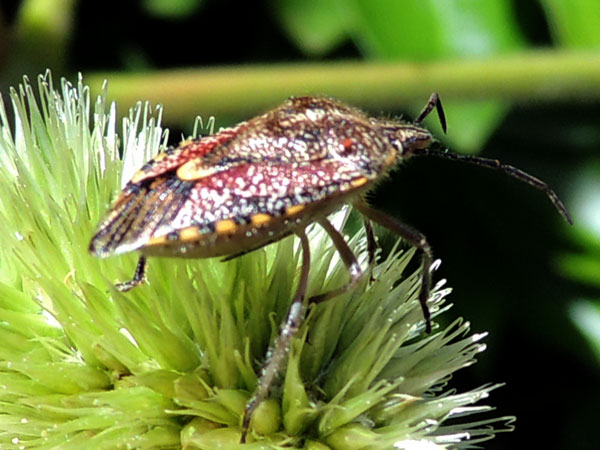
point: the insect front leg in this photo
(414, 238)
(139, 277)
(348, 258)
(371, 247)
(277, 354)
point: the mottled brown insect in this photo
(264, 179)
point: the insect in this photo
(247, 186)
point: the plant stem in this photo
(242, 90)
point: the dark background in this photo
(500, 241)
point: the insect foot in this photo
(255, 183)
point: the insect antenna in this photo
(437, 150)
(433, 102)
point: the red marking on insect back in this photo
(173, 158)
(347, 144)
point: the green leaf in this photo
(171, 9)
(471, 123)
(583, 268)
(432, 29)
(586, 315)
(44, 30)
(315, 27)
(574, 23)
(429, 29)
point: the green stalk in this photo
(243, 90)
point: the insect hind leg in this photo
(414, 238)
(139, 277)
(279, 351)
(348, 258)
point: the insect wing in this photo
(251, 193)
(151, 197)
(139, 210)
(175, 157)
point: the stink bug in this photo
(272, 176)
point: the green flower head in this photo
(172, 364)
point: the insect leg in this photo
(277, 354)
(347, 257)
(371, 242)
(506, 168)
(139, 277)
(371, 247)
(414, 238)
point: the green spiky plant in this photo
(172, 364)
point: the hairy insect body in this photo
(251, 184)
(269, 177)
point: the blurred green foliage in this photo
(414, 30)
(501, 244)
(573, 23)
(171, 9)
